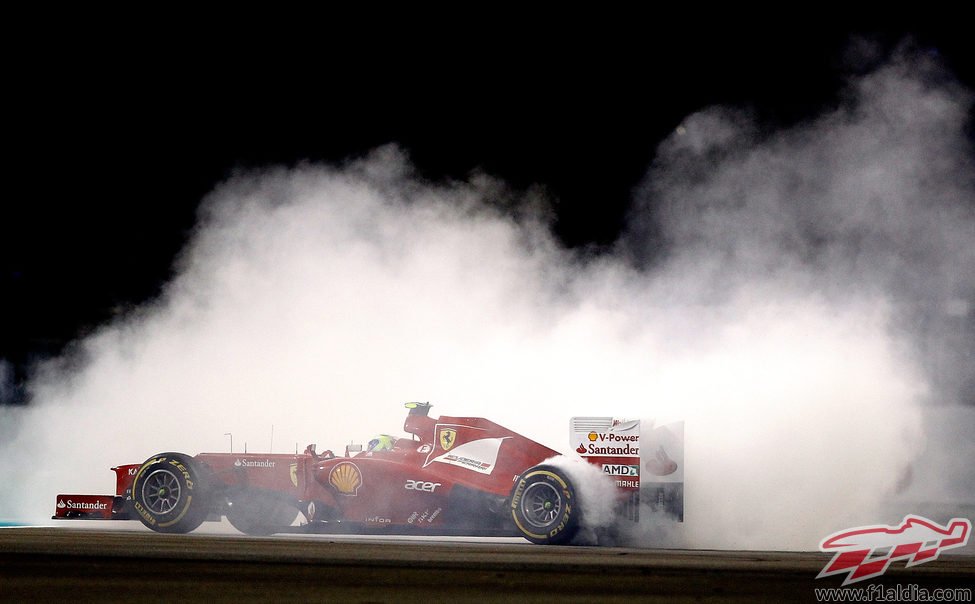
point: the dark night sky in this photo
(116, 137)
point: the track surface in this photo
(65, 565)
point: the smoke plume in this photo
(800, 297)
(6, 382)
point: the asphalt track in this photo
(70, 565)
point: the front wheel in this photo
(168, 493)
(544, 507)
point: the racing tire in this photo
(544, 507)
(259, 513)
(169, 493)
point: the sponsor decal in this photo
(473, 464)
(563, 522)
(419, 485)
(519, 491)
(612, 437)
(478, 455)
(378, 520)
(346, 478)
(916, 540)
(593, 449)
(610, 443)
(186, 473)
(82, 505)
(144, 513)
(447, 438)
(424, 449)
(426, 516)
(250, 463)
(621, 469)
(294, 474)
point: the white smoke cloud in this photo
(872, 199)
(317, 299)
(868, 214)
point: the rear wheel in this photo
(257, 512)
(169, 495)
(543, 506)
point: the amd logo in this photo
(419, 485)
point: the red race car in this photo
(457, 475)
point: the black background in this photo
(116, 132)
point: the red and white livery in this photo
(456, 475)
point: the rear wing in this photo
(645, 460)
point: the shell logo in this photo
(346, 478)
(593, 436)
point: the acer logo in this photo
(419, 485)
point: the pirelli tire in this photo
(169, 493)
(544, 506)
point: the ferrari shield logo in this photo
(447, 438)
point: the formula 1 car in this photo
(457, 475)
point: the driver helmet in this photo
(383, 442)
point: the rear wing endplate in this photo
(644, 459)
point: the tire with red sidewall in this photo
(543, 506)
(169, 493)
